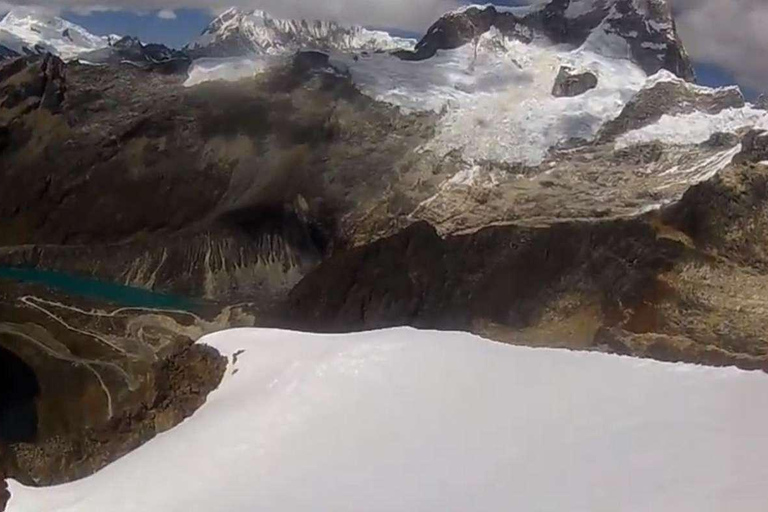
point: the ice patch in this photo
(497, 102)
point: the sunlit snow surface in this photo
(27, 29)
(497, 102)
(402, 420)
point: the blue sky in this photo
(188, 23)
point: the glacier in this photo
(412, 420)
(25, 30)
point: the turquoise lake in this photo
(114, 293)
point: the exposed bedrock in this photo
(696, 270)
(570, 82)
(81, 387)
(669, 98)
(5, 495)
(220, 191)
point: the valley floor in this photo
(419, 420)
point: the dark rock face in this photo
(762, 102)
(5, 495)
(652, 277)
(7, 53)
(176, 387)
(670, 98)
(457, 29)
(491, 276)
(649, 31)
(649, 28)
(38, 83)
(569, 83)
(18, 391)
(150, 57)
(754, 147)
(256, 178)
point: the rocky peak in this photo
(130, 50)
(570, 82)
(37, 83)
(643, 30)
(243, 32)
(28, 31)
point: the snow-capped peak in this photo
(28, 31)
(243, 32)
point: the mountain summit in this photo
(29, 32)
(239, 32)
(642, 30)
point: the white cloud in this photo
(166, 14)
(414, 15)
(729, 33)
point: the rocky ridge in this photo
(238, 32)
(645, 28)
(26, 31)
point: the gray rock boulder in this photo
(754, 147)
(570, 83)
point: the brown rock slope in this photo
(687, 283)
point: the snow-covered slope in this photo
(237, 33)
(425, 421)
(491, 76)
(26, 31)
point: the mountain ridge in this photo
(25, 31)
(238, 32)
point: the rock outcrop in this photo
(754, 147)
(689, 275)
(28, 84)
(131, 51)
(5, 495)
(648, 27)
(570, 83)
(670, 98)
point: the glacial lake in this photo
(120, 295)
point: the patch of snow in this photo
(517, 10)
(700, 170)
(424, 421)
(664, 75)
(230, 69)
(693, 128)
(498, 103)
